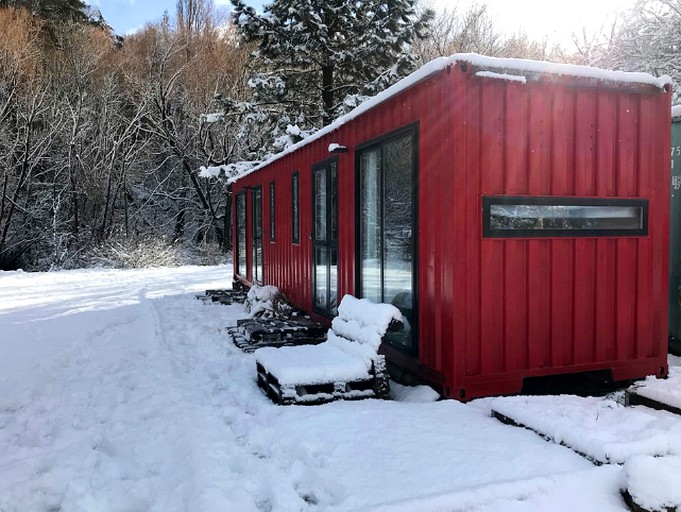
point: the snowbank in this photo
(653, 482)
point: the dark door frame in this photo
(412, 130)
(329, 243)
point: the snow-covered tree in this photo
(470, 28)
(318, 58)
(648, 38)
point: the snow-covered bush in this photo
(267, 302)
(204, 253)
(133, 253)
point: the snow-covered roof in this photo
(522, 66)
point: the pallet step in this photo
(375, 386)
(225, 297)
(252, 334)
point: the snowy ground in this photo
(119, 393)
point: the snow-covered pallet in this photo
(252, 334)
(346, 366)
(599, 429)
(226, 297)
(374, 384)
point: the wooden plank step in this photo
(375, 386)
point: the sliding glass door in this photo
(387, 228)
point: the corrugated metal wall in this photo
(492, 311)
(534, 306)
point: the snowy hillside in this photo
(119, 392)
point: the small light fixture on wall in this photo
(334, 147)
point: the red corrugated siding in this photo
(493, 311)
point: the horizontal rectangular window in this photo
(528, 217)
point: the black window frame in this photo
(272, 212)
(241, 199)
(256, 238)
(295, 208)
(489, 232)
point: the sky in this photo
(538, 18)
(127, 16)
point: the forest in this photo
(116, 150)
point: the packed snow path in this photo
(119, 393)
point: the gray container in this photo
(675, 234)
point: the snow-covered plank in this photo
(602, 430)
(312, 364)
(664, 394)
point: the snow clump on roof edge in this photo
(479, 61)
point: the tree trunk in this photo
(327, 93)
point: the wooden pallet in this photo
(376, 386)
(226, 297)
(633, 398)
(252, 334)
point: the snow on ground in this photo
(119, 393)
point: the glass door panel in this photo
(256, 257)
(242, 248)
(387, 224)
(398, 213)
(321, 276)
(370, 226)
(325, 238)
(320, 201)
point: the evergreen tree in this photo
(319, 58)
(51, 10)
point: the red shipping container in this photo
(516, 211)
